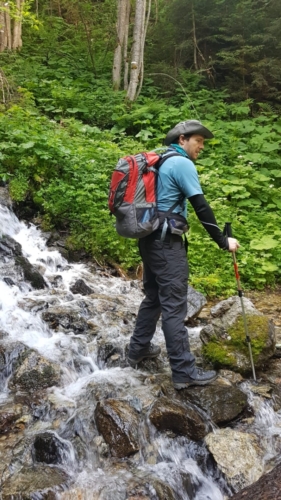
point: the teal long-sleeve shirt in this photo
(177, 178)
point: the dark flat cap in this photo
(187, 127)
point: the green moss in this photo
(258, 332)
(223, 351)
(218, 354)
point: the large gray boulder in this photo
(237, 455)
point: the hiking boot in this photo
(151, 352)
(201, 378)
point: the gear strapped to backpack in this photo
(132, 196)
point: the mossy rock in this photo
(232, 350)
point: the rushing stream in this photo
(66, 409)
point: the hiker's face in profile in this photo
(193, 145)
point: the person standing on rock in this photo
(165, 266)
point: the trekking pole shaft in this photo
(240, 294)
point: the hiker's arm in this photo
(206, 216)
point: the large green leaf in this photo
(264, 243)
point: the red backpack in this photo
(132, 193)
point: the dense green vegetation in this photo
(63, 128)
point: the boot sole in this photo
(185, 385)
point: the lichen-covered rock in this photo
(34, 373)
(222, 403)
(237, 455)
(181, 419)
(224, 339)
(118, 423)
(268, 487)
(35, 482)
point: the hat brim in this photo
(177, 131)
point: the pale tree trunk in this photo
(121, 34)
(5, 27)
(146, 21)
(17, 25)
(125, 51)
(137, 49)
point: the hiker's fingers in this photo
(233, 244)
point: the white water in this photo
(22, 324)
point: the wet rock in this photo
(30, 273)
(110, 353)
(9, 414)
(195, 302)
(181, 419)
(48, 448)
(222, 403)
(9, 281)
(272, 375)
(35, 482)
(33, 304)
(237, 455)
(9, 247)
(34, 373)
(81, 287)
(5, 199)
(10, 355)
(118, 423)
(268, 487)
(224, 339)
(66, 317)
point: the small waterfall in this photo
(62, 428)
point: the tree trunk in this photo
(5, 27)
(17, 26)
(121, 29)
(137, 49)
(194, 40)
(146, 21)
(125, 52)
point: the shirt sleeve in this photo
(186, 177)
(207, 218)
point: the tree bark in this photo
(137, 49)
(5, 27)
(194, 40)
(125, 52)
(17, 26)
(121, 30)
(146, 21)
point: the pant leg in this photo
(168, 271)
(149, 311)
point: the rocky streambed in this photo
(77, 422)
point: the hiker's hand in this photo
(233, 245)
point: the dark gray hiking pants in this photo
(165, 284)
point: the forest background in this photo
(84, 82)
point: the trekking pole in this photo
(228, 232)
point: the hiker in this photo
(165, 265)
